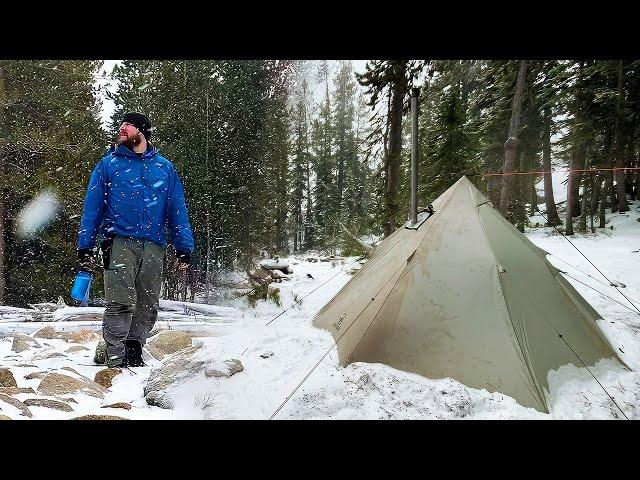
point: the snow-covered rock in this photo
(225, 368)
(6, 378)
(99, 417)
(23, 342)
(168, 342)
(14, 402)
(75, 348)
(59, 384)
(85, 335)
(105, 377)
(48, 332)
(172, 371)
(48, 403)
(271, 264)
(124, 405)
(277, 275)
(15, 390)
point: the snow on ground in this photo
(279, 354)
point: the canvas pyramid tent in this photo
(465, 295)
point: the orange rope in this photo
(542, 172)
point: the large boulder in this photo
(168, 342)
(172, 371)
(224, 369)
(45, 402)
(22, 342)
(105, 377)
(58, 384)
(14, 402)
(6, 378)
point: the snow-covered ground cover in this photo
(290, 369)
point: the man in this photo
(133, 194)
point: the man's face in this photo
(129, 135)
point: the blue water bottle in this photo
(81, 287)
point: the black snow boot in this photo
(134, 353)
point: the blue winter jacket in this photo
(135, 197)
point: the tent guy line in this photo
(336, 343)
(592, 264)
(308, 294)
(585, 366)
(592, 277)
(603, 294)
(317, 288)
(543, 172)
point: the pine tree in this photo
(222, 124)
(394, 77)
(322, 140)
(51, 136)
(448, 143)
(300, 172)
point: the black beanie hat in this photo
(141, 122)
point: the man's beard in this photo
(132, 142)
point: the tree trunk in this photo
(2, 206)
(603, 204)
(552, 212)
(569, 219)
(633, 175)
(619, 158)
(208, 266)
(577, 163)
(611, 192)
(308, 224)
(511, 145)
(531, 179)
(636, 183)
(582, 226)
(520, 194)
(593, 203)
(595, 193)
(399, 90)
(2, 245)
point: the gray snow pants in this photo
(132, 281)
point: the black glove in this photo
(183, 257)
(86, 259)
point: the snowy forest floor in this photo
(277, 355)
